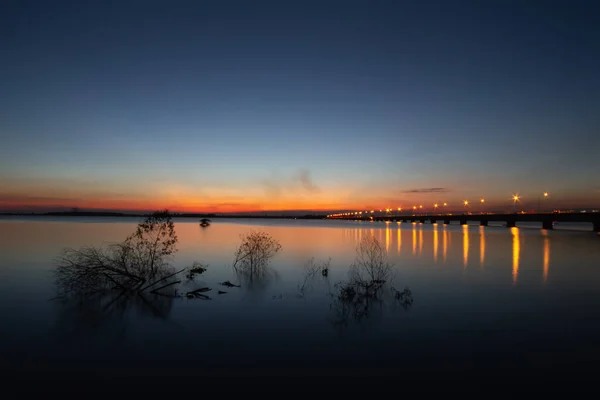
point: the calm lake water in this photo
(506, 305)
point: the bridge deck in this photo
(511, 219)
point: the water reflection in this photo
(445, 243)
(106, 315)
(481, 246)
(516, 250)
(387, 236)
(232, 331)
(414, 238)
(421, 239)
(465, 229)
(546, 254)
(435, 242)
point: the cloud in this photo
(272, 188)
(306, 181)
(427, 190)
(277, 187)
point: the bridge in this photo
(546, 219)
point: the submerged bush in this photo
(137, 264)
(368, 275)
(196, 269)
(311, 269)
(255, 252)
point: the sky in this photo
(228, 106)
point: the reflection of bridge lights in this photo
(435, 243)
(481, 246)
(516, 253)
(465, 245)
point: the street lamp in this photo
(482, 201)
(515, 199)
(540, 202)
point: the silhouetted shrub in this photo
(254, 253)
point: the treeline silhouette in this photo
(174, 215)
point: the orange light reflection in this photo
(465, 245)
(481, 246)
(421, 239)
(445, 243)
(435, 243)
(516, 250)
(414, 238)
(546, 254)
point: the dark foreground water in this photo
(502, 307)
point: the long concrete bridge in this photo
(546, 219)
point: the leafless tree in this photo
(311, 269)
(139, 263)
(371, 269)
(363, 292)
(253, 255)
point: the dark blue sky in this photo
(298, 104)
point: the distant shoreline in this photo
(175, 215)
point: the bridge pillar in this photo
(546, 224)
(463, 221)
(483, 222)
(511, 223)
(446, 222)
(597, 226)
(422, 220)
(404, 220)
(433, 221)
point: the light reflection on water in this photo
(445, 242)
(435, 242)
(516, 253)
(420, 239)
(526, 286)
(465, 230)
(481, 246)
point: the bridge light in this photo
(545, 194)
(445, 204)
(466, 202)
